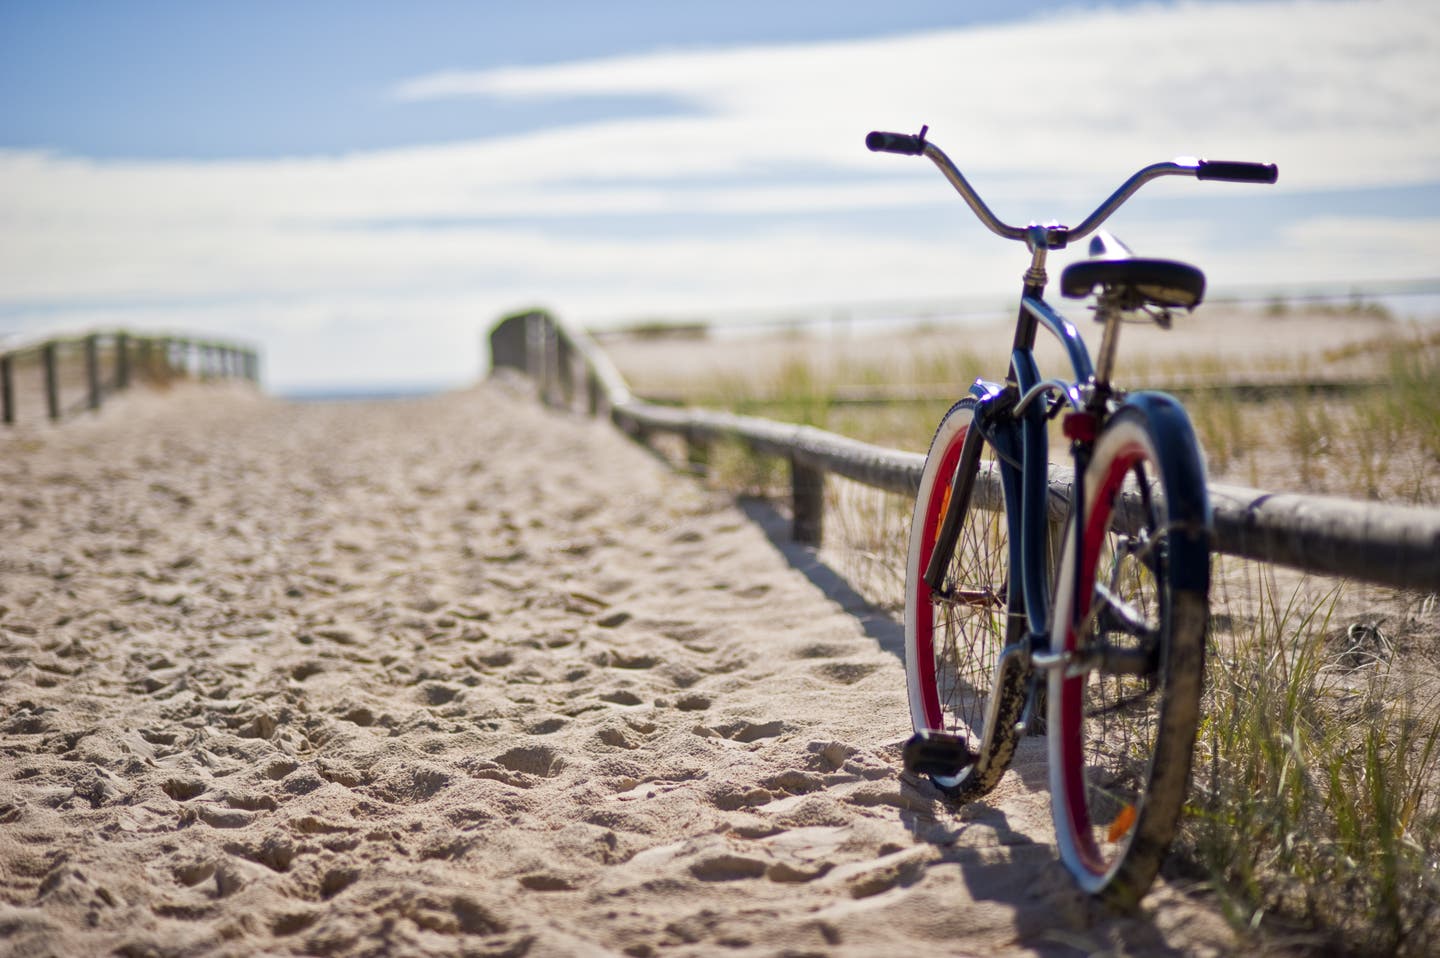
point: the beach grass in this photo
(1315, 765)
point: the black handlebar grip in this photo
(906, 143)
(1238, 172)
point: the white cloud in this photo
(1342, 95)
(1346, 90)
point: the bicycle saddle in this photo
(1138, 281)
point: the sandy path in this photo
(463, 676)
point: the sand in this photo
(463, 675)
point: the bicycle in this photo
(1112, 668)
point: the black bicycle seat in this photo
(1139, 281)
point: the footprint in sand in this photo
(894, 868)
(829, 756)
(614, 620)
(541, 760)
(745, 731)
(845, 673)
(622, 660)
(276, 852)
(336, 880)
(183, 789)
(795, 782)
(438, 693)
(545, 881)
(193, 873)
(547, 726)
(402, 780)
(618, 738)
(728, 867)
(292, 922)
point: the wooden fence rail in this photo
(98, 364)
(1396, 546)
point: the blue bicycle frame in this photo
(1012, 418)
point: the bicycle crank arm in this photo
(1107, 660)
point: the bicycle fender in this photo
(1183, 466)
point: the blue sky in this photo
(179, 79)
(363, 187)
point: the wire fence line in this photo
(1395, 546)
(76, 372)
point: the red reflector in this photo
(1079, 426)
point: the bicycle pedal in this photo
(938, 753)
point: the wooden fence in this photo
(69, 374)
(1396, 546)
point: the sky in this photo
(363, 188)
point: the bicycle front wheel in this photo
(1130, 612)
(958, 682)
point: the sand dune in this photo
(464, 676)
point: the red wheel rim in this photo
(1072, 698)
(924, 610)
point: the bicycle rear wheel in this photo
(957, 680)
(1123, 713)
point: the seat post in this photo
(1108, 311)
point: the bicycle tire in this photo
(1121, 744)
(952, 647)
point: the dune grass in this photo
(1315, 766)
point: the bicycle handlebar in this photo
(896, 142)
(1056, 237)
(1237, 172)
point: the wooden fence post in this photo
(565, 369)
(52, 381)
(122, 361)
(143, 360)
(592, 391)
(509, 343)
(92, 368)
(535, 351)
(807, 497)
(7, 388)
(550, 362)
(697, 452)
